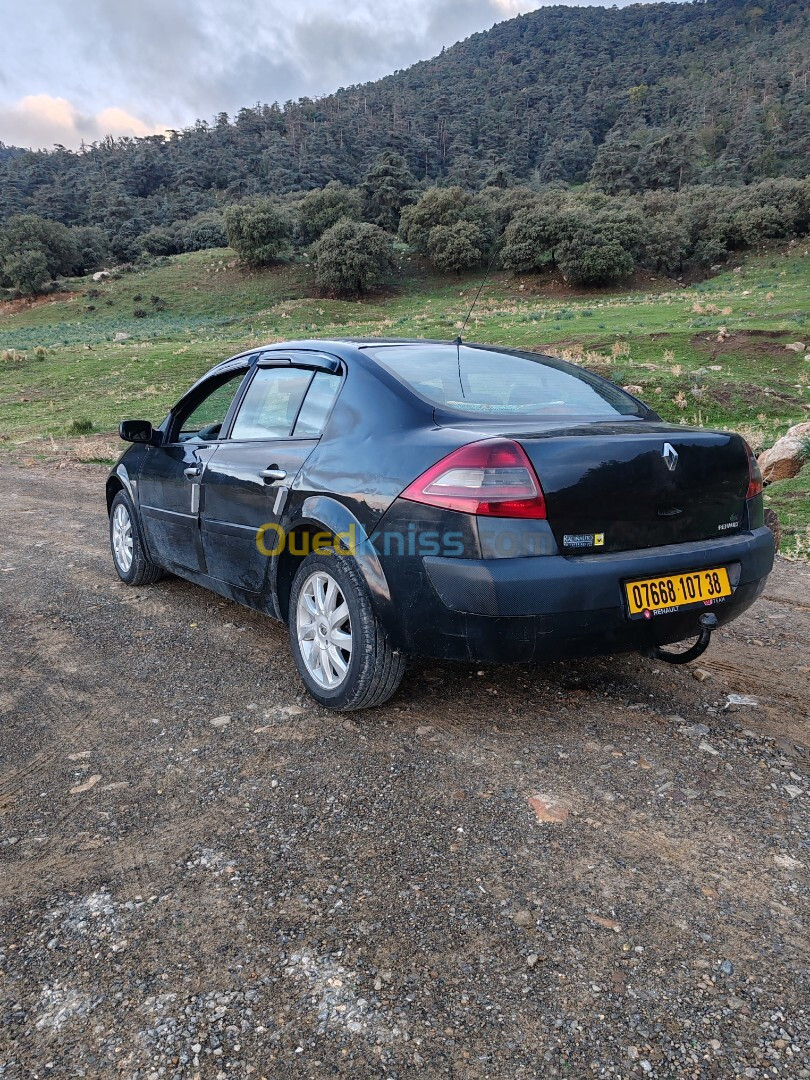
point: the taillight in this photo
(754, 475)
(493, 477)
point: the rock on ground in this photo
(785, 458)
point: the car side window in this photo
(207, 417)
(271, 403)
(322, 392)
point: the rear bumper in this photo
(553, 607)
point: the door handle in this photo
(192, 471)
(273, 474)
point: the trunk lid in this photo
(616, 486)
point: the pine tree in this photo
(387, 187)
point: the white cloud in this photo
(62, 67)
(39, 120)
(510, 8)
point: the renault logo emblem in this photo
(670, 456)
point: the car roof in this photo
(343, 348)
(338, 346)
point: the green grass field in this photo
(712, 354)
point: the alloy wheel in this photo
(122, 538)
(324, 630)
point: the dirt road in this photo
(205, 874)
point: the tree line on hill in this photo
(586, 236)
(648, 97)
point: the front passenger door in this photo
(171, 474)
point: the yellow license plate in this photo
(652, 596)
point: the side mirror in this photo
(138, 431)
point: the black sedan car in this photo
(388, 498)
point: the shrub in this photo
(444, 206)
(201, 232)
(592, 260)
(600, 247)
(259, 232)
(92, 248)
(82, 426)
(159, 242)
(456, 247)
(33, 250)
(322, 208)
(125, 244)
(140, 313)
(666, 243)
(503, 205)
(27, 270)
(531, 238)
(352, 257)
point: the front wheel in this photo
(341, 651)
(132, 564)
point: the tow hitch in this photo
(708, 623)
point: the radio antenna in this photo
(458, 340)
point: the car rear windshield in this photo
(472, 379)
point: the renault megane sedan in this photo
(390, 498)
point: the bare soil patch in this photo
(25, 303)
(753, 343)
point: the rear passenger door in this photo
(247, 481)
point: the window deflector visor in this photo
(311, 360)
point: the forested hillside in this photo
(646, 97)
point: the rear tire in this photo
(342, 653)
(130, 560)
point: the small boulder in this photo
(633, 389)
(787, 862)
(694, 729)
(796, 346)
(548, 810)
(608, 924)
(91, 782)
(786, 457)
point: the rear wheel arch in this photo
(298, 544)
(321, 514)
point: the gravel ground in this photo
(587, 869)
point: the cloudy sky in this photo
(73, 72)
